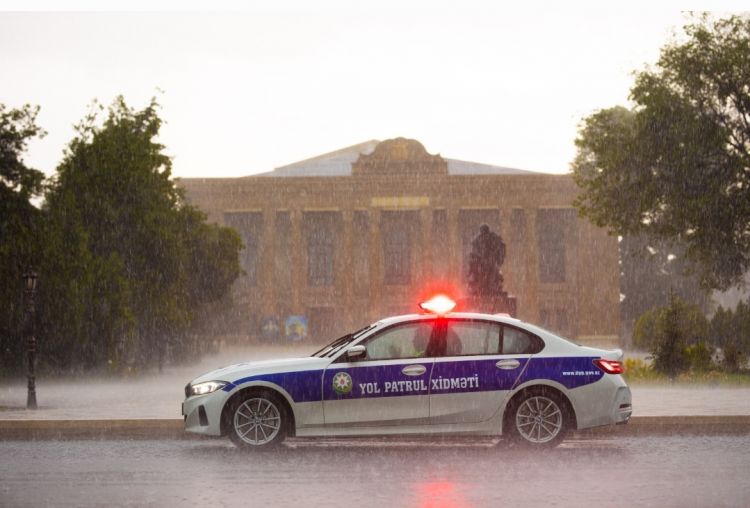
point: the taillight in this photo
(609, 366)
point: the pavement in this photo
(652, 471)
(149, 404)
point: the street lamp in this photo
(29, 280)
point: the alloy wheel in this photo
(257, 421)
(539, 419)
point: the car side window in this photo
(517, 342)
(466, 338)
(408, 340)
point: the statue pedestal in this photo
(501, 304)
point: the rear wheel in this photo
(538, 419)
(258, 421)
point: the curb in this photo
(722, 425)
(172, 429)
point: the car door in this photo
(389, 385)
(478, 364)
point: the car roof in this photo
(500, 318)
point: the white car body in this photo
(432, 394)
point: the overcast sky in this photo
(243, 92)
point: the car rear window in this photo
(464, 338)
(517, 342)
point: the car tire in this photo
(258, 421)
(539, 418)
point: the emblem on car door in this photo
(342, 383)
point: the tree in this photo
(19, 222)
(651, 271)
(667, 332)
(730, 331)
(676, 167)
(130, 265)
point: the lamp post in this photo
(29, 279)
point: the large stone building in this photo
(350, 236)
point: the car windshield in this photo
(332, 348)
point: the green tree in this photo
(667, 332)
(19, 223)
(650, 272)
(677, 166)
(730, 331)
(130, 265)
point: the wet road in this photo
(649, 471)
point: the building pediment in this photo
(399, 157)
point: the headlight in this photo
(206, 387)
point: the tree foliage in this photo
(668, 332)
(730, 331)
(676, 167)
(19, 220)
(128, 264)
(651, 271)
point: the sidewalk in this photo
(159, 396)
(172, 429)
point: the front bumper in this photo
(202, 413)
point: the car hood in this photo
(241, 370)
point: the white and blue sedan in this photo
(432, 373)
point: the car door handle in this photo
(414, 370)
(508, 364)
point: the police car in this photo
(439, 372)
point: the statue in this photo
(485, 278)
(486, 257)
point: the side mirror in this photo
(355, 352)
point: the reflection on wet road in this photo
(658, 471)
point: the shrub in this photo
(668, 331)
(699, 356)
(730, 331)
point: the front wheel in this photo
(258, 421)
(538, 419)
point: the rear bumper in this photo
(622, 408)
(606, 402)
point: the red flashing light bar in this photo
(438, 304)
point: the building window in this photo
(249, 225)
(396, 257)
(249, 260)
(361, 253)
(321, 231)
(399, 230)
(551, 229)
(440, 250)
(320, 257)
(282, 257)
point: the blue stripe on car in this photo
(464, 376)
(569, 372)
(303, 386)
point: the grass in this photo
(640, 372)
